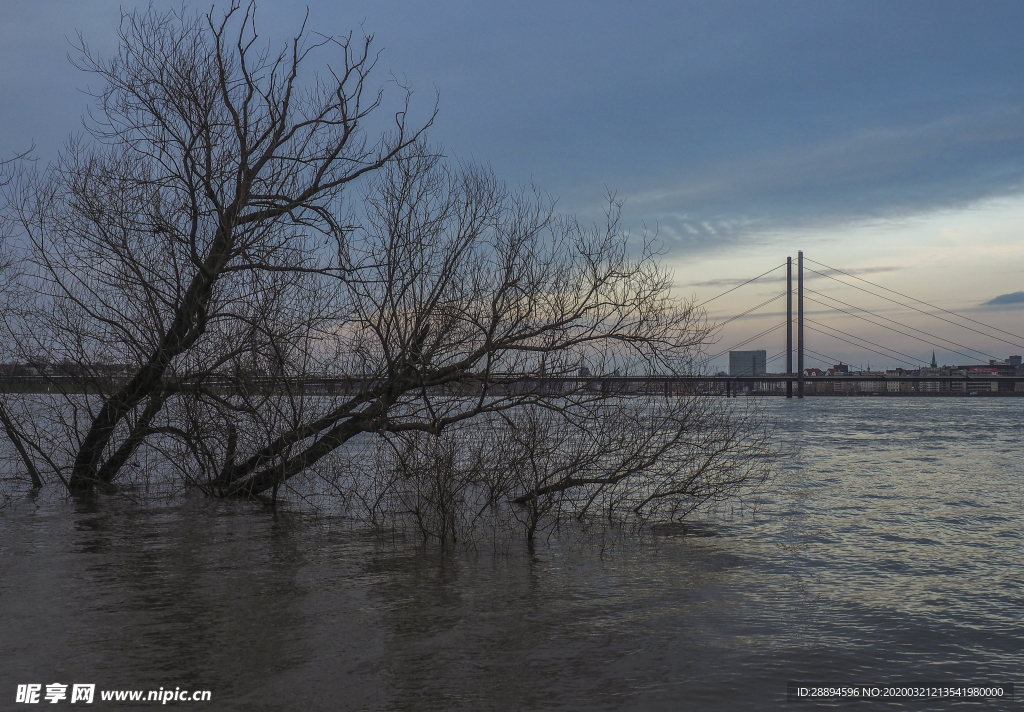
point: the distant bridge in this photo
(668, 385)
(903, 383)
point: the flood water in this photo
(889, 551)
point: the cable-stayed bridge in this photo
(980, 372)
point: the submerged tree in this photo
(232, 282)
(210, 167)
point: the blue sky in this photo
(885, 137)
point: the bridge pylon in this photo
(789, 325)
(800, 324)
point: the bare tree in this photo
(462, 298)
(210, 165)
(231, 286)
(628, 460)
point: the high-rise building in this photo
(747, 363)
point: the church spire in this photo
(934, 365)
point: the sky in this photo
(883, 139)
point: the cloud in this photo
(721, 123)
(1014, 298)
(890, 171)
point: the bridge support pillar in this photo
(800, 324)
(789, 325)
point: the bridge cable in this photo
(882, 353)
(747, 341)
(906, 326)
(738, 286)
(920, 311)
(854, 336)
(769, 301)
(833, 359)
(919, 301)
(918, 338)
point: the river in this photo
(887, 550)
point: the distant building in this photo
(1001, 368)
(747, 363)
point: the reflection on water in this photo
(889, 550)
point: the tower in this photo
(934, 365)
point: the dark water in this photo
(890, 551)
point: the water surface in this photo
(888, 551)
